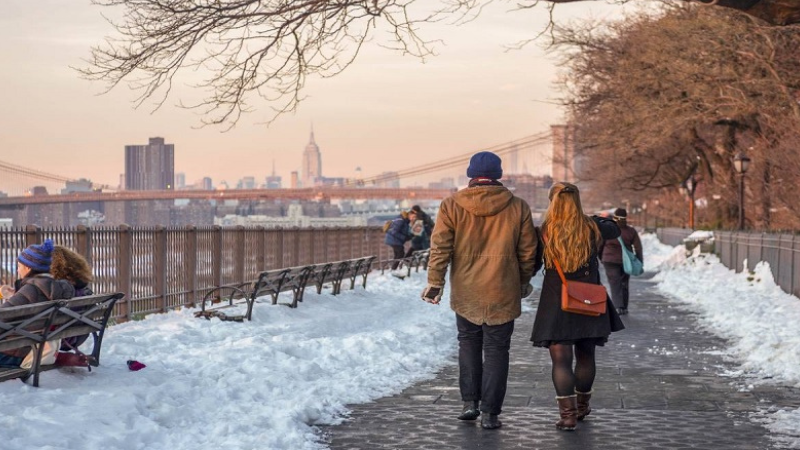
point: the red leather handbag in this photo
(581, 298)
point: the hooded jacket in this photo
(486, 235)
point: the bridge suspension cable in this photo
(460, 160)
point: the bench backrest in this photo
(82, 315)
(23, 326)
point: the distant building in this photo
(388, 180)
(274, 181)
(246, 183)
(180, 180)
(294, 181)
(332, 181)
(82, 185)
(444, 183)
(312, 163)
(150, 167)
(204, 184)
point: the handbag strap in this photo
(560, 272)
(555, 261)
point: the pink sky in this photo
(386, 112)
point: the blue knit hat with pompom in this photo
(38, 257)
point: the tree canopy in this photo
(658, 100)
(255, 52)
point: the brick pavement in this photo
(658, 386)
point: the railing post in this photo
(296, 246)
(216, 263)
(311, 232)
(239, 257)
(160, 265)
(190, 264)
(33, 235)
(279, 248)
(260, 249)
(82, 243)
(124, 265)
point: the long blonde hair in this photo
(570, 235)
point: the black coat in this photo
(554, 326)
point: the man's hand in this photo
(432, 294)
(526, 290)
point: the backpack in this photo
(387, 225)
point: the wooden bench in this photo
(418, 258)
(32, 325)
(274, 282)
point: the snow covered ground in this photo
(227, 385)
(758, 319)
(264, 384)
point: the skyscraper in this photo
(312, 163)
(150, 167)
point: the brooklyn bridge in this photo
(34, 200)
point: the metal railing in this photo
(165, 268)
(734, 248)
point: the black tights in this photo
(565, 379)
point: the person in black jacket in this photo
(35, 285)
(572, 239)
(611, 255)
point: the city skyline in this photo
(386, 112)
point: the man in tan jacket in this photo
(486, 235)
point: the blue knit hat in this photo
(485, 164)
(38, 257)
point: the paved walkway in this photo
(657, 387)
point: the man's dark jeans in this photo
(618, 281)
(483, 362)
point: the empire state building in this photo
(312, 163)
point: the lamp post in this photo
(688, 188)
(741, 163)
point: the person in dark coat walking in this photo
(611, 255)
(572, 239)
(35, 285)
(485, 236)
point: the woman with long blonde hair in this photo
(572, 239)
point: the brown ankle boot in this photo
(568, 409)
(583, 404)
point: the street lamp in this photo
(741, 163)
(688, 188)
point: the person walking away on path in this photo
(572, 239)
(73, 267)
(35, 285)
(486, 235)
(397, 235)
(611, 255)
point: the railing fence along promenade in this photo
(781, 251)
(160, 268)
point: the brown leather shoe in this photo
(568, 410)
(583, 404)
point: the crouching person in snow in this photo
(35, 285)
(486, 235)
